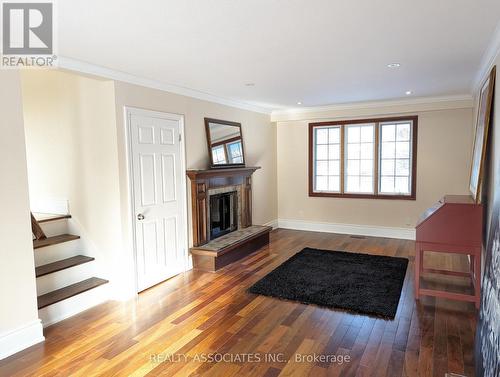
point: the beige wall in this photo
(75, 136)
(444, 144)
(17, 272)
(259, 139)
(72, 155)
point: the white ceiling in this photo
(315, 51)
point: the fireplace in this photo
(223, 213)
(223, 232)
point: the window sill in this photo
(361, 196)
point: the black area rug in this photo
(367, 284)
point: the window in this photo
(367, 158)
(219, 154)
(235, 153)
(231, 153)
(359, 160)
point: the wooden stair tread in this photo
(62, 265)
(69, 291)
(54, 240)
(47, 217)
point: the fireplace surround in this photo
(222, 237)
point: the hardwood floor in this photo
(170, 329)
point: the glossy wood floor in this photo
(172, 328)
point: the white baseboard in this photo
(272, 223)
(21, 338)
(360, 230)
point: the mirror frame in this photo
(209, 143)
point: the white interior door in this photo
(159, 196)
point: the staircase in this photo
(65, 279)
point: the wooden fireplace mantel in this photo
(204, 180)
(218, 173)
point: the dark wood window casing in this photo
(342, 124)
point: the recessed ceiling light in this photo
(408, 92)
(393, 65)
(250, 84)
(299, 103)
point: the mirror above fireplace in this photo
(225, 143)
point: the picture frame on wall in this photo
(481, 135)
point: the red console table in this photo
(452, 225)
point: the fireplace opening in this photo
(223, 214)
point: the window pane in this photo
(218, 155)
(403, 149)
(235, 149)
(327, 159)
(402, 186)
(388, 132)
(387, 185)
(353, 167)
(321, 183)
(321, 135)
(334, 183)
(352, 183)
(366, 184)
(387, 167)
(367, 150)
(235, 155)
(403, 132)
(353, 151)
(353, 134)
(366, 134)
(366, 167)
(403, 167)
(334, 168)
(322, 152)
(388, 150)
(334, 135)
(334, 152)
(321, 167)
(360, 154)
(395, 158)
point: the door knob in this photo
(140, 216)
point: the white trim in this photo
(397, 106)
(20, 338)
(444, 102)
(361, 230)
(100, 71)
(487, 59)
(272, 223)
(128, 111)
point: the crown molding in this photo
(487, 60)
(398, 106)
(108, 73)
(314, 112)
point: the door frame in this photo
(128, 112)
